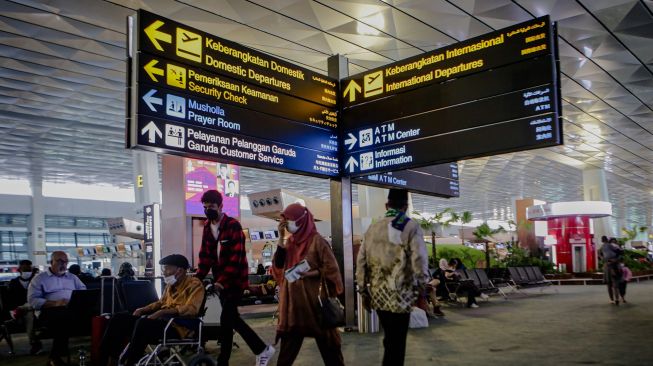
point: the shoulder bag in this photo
(332, 311)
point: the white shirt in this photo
(214, 230)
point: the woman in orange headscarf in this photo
(299, 309)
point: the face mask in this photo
(292, 227)
(25, 275)
(170, 280)
(211, 214)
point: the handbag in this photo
(332, 312)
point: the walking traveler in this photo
(299, 304)
(392, 271)
(223, 252)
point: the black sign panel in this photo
(187, 79)
(149, 229)
(452, 93)
(507, 108)
(177, 108)
(163, 37)
(197, 95)
(449, 171)
(177, 138)
(521, 134)
(430, 181)
(512, 44)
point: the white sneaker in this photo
(484, 296)
(264, 357)
(473, 306)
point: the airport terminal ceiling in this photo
(63, 65)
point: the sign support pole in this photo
(341, 215)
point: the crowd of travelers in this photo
(392, 277)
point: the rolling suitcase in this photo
(99, 323)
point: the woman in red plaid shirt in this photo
(223, 252)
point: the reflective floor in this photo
(575, 326)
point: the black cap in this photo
(398, 195)
(175, 260)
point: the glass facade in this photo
(13, 237)
(13, 245)
(68, 232)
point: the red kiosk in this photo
(570, 232)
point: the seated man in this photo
(49, 293)
(75, 269)
(182, 297)
(24, 313)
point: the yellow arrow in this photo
(351, 89)
(155, 35)
(151, 70)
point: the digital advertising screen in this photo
(202, 175)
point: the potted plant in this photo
(434, 224)
(631, 234)
(462, 218)
(484, 233)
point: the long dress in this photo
(299, 309)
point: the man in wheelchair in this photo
(182, 298)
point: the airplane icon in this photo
(189, 45)
(373, 77)
(185, 37)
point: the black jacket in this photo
(17, 293)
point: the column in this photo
(526, 233)
(371, 204)
(176, 232)
(341, 215)
(147, 188)
(595, 188)
(36, 226)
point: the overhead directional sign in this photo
(179, 139)
(194, 94)
(512, 44)
(162, 72)
(438, 180)
(175, 106)
(164, 37)
(500, 95)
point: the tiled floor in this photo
(575, 326)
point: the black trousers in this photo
(469, 289)
(230, 320)
(143, 331)
(58, 320)
(330, 346)
(613, 279)
(395, 330)
(622, 288)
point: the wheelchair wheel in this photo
(201, 360)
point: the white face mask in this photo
(25, 275)
(170, 280)
(292, 227)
